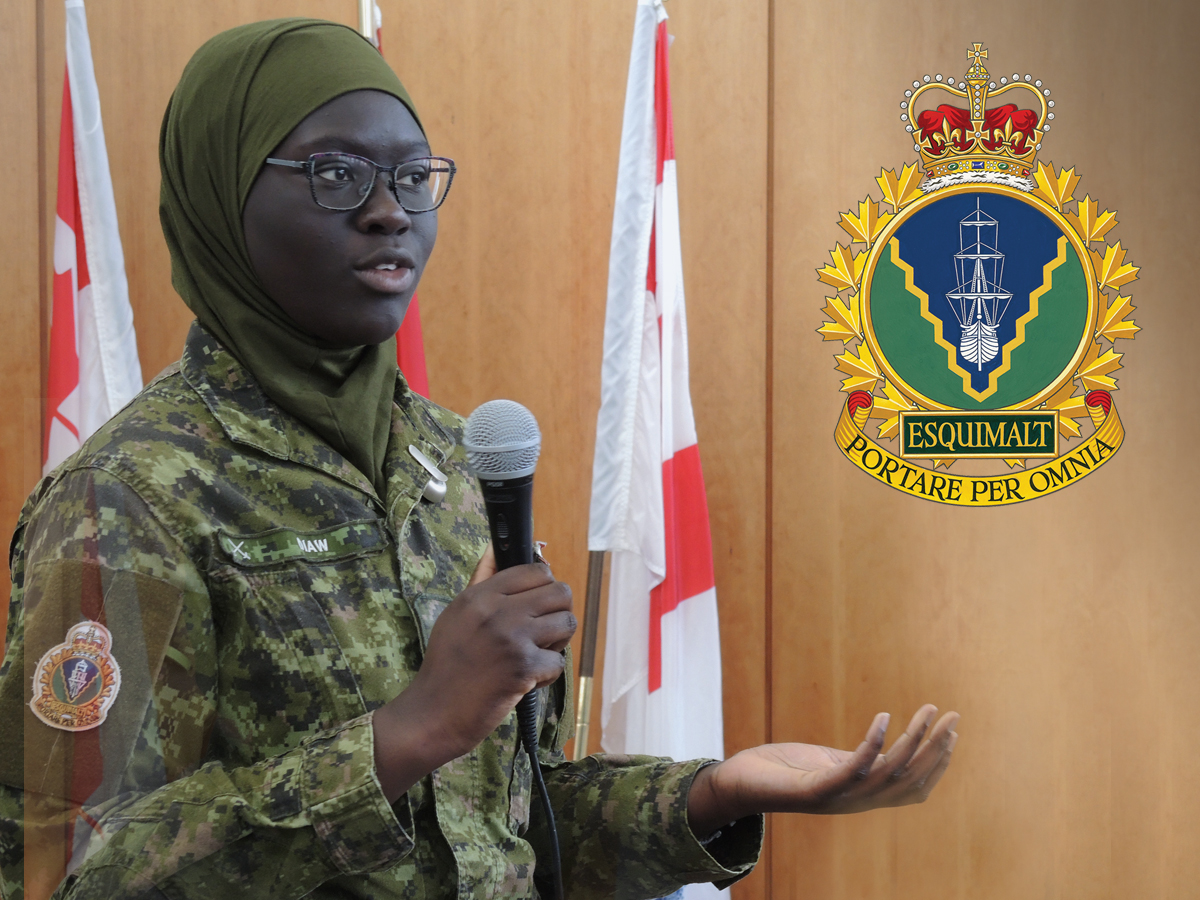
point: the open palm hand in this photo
(809, 778)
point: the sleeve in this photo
(622, 821)
(129, 807)
(623, 830)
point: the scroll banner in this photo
(999, 490)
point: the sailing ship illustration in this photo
(979, 302)
(81, 677)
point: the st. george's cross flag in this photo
(93, 365)
(662, 661)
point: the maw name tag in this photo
(282, 544)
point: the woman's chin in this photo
(370, 330)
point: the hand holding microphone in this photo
(500, 639)
(502, 441)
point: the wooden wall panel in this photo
(20, 261)
(1064, 630)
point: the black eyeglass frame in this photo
(309, 165)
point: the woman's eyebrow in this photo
(333, 143)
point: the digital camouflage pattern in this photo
(263, 601)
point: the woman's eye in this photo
(412, 178)
(336, 174)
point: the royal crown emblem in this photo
(76, 682)
(978, 316)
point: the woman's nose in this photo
(382, 211)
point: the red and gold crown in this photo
(979, 143)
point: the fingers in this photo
(553, 631)
(865, 757)
(547, 667)
(912, 780)
(519, 579)
(902, 751)
(935, 751)
(531, 588)
(939, 769)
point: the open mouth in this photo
(387, 278)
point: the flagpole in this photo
(587, 654)
(366, 19)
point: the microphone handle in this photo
(509, 505)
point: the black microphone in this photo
(503, 442)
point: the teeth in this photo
(388, 266)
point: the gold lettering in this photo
(949, 445)
(919, 484)
(994, 436)
(890, 465)
(954, 489)
(938, 484)
(914, 435)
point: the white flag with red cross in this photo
(662, 660)
(93, 366)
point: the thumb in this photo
(486, 567)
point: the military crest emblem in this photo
(979, 311)
(76, 682)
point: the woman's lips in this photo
(387, 281)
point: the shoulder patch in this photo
(76, 682)
(282, 544)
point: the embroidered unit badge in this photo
(978, 319)
(76, 682)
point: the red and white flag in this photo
(93, 367)
(410, 350)
(410, 342)
(662, 661)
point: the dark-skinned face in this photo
(346, 278)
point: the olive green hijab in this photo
(239, 97)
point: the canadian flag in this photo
(93, 367)
(662, 661)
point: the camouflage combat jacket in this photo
(263, 600)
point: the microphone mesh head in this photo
(502, 440)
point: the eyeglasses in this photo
(342, 181)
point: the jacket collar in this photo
(250, 418)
